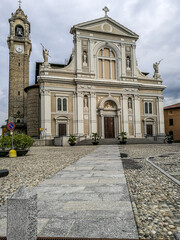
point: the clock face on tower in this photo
(19, 48)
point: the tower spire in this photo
(19, 3)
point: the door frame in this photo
(149, 121)
(63, 120)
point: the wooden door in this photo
(62, 129)
(149, 128)
(109, 127)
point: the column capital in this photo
(125, 97)
(136, 97)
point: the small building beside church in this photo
(172, 121)
(100, 90)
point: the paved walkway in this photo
(87, 199)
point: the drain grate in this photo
(130, 164)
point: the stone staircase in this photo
(115, 141)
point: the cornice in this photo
(96, 82)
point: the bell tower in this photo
(19, 44)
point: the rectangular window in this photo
(170, 122)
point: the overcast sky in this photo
(157, 23)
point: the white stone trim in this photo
(62, 120)
(46, 111)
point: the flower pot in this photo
(72, 143)
(3, 153)
(95, 143)
(123, 142)
(21, 152)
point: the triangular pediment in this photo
(105, 25)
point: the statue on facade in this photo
(85, 58)
(156, 69)
(45, 54)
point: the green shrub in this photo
(22, 141)
(5, 142)
(95, 137)
(72, 139)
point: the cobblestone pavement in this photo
(169, 163)
(39, 164)
(155, 198)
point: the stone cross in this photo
(106, 10)
(19, 3)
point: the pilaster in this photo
(161, 131)
(46, 112)
(93, 121)
(80, 121)
(78, 55)
(134, 67)
(123, 60)
(125, 127)
(137, 117)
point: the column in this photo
(137, 117)
(93, 121)
(80, 122)
(125, 127)
(161, 131)
(134, 67)
(79, 55)
(123, 60)
(46, 112)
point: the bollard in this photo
(12, 153)
(22, 215)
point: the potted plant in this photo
(5, 144)
(95, 138)
(122, 137)
(22, 143)
(72, 140)
(169, 139)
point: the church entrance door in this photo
(109, 127)
(149, 129)
(62, 129)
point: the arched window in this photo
(59, 104)
(106, 64)
(19, 31)
(148, 108)
(64, 104)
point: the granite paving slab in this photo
(87, 199)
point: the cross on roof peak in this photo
(19, 3)
(106, 10)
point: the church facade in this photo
(100, 90)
